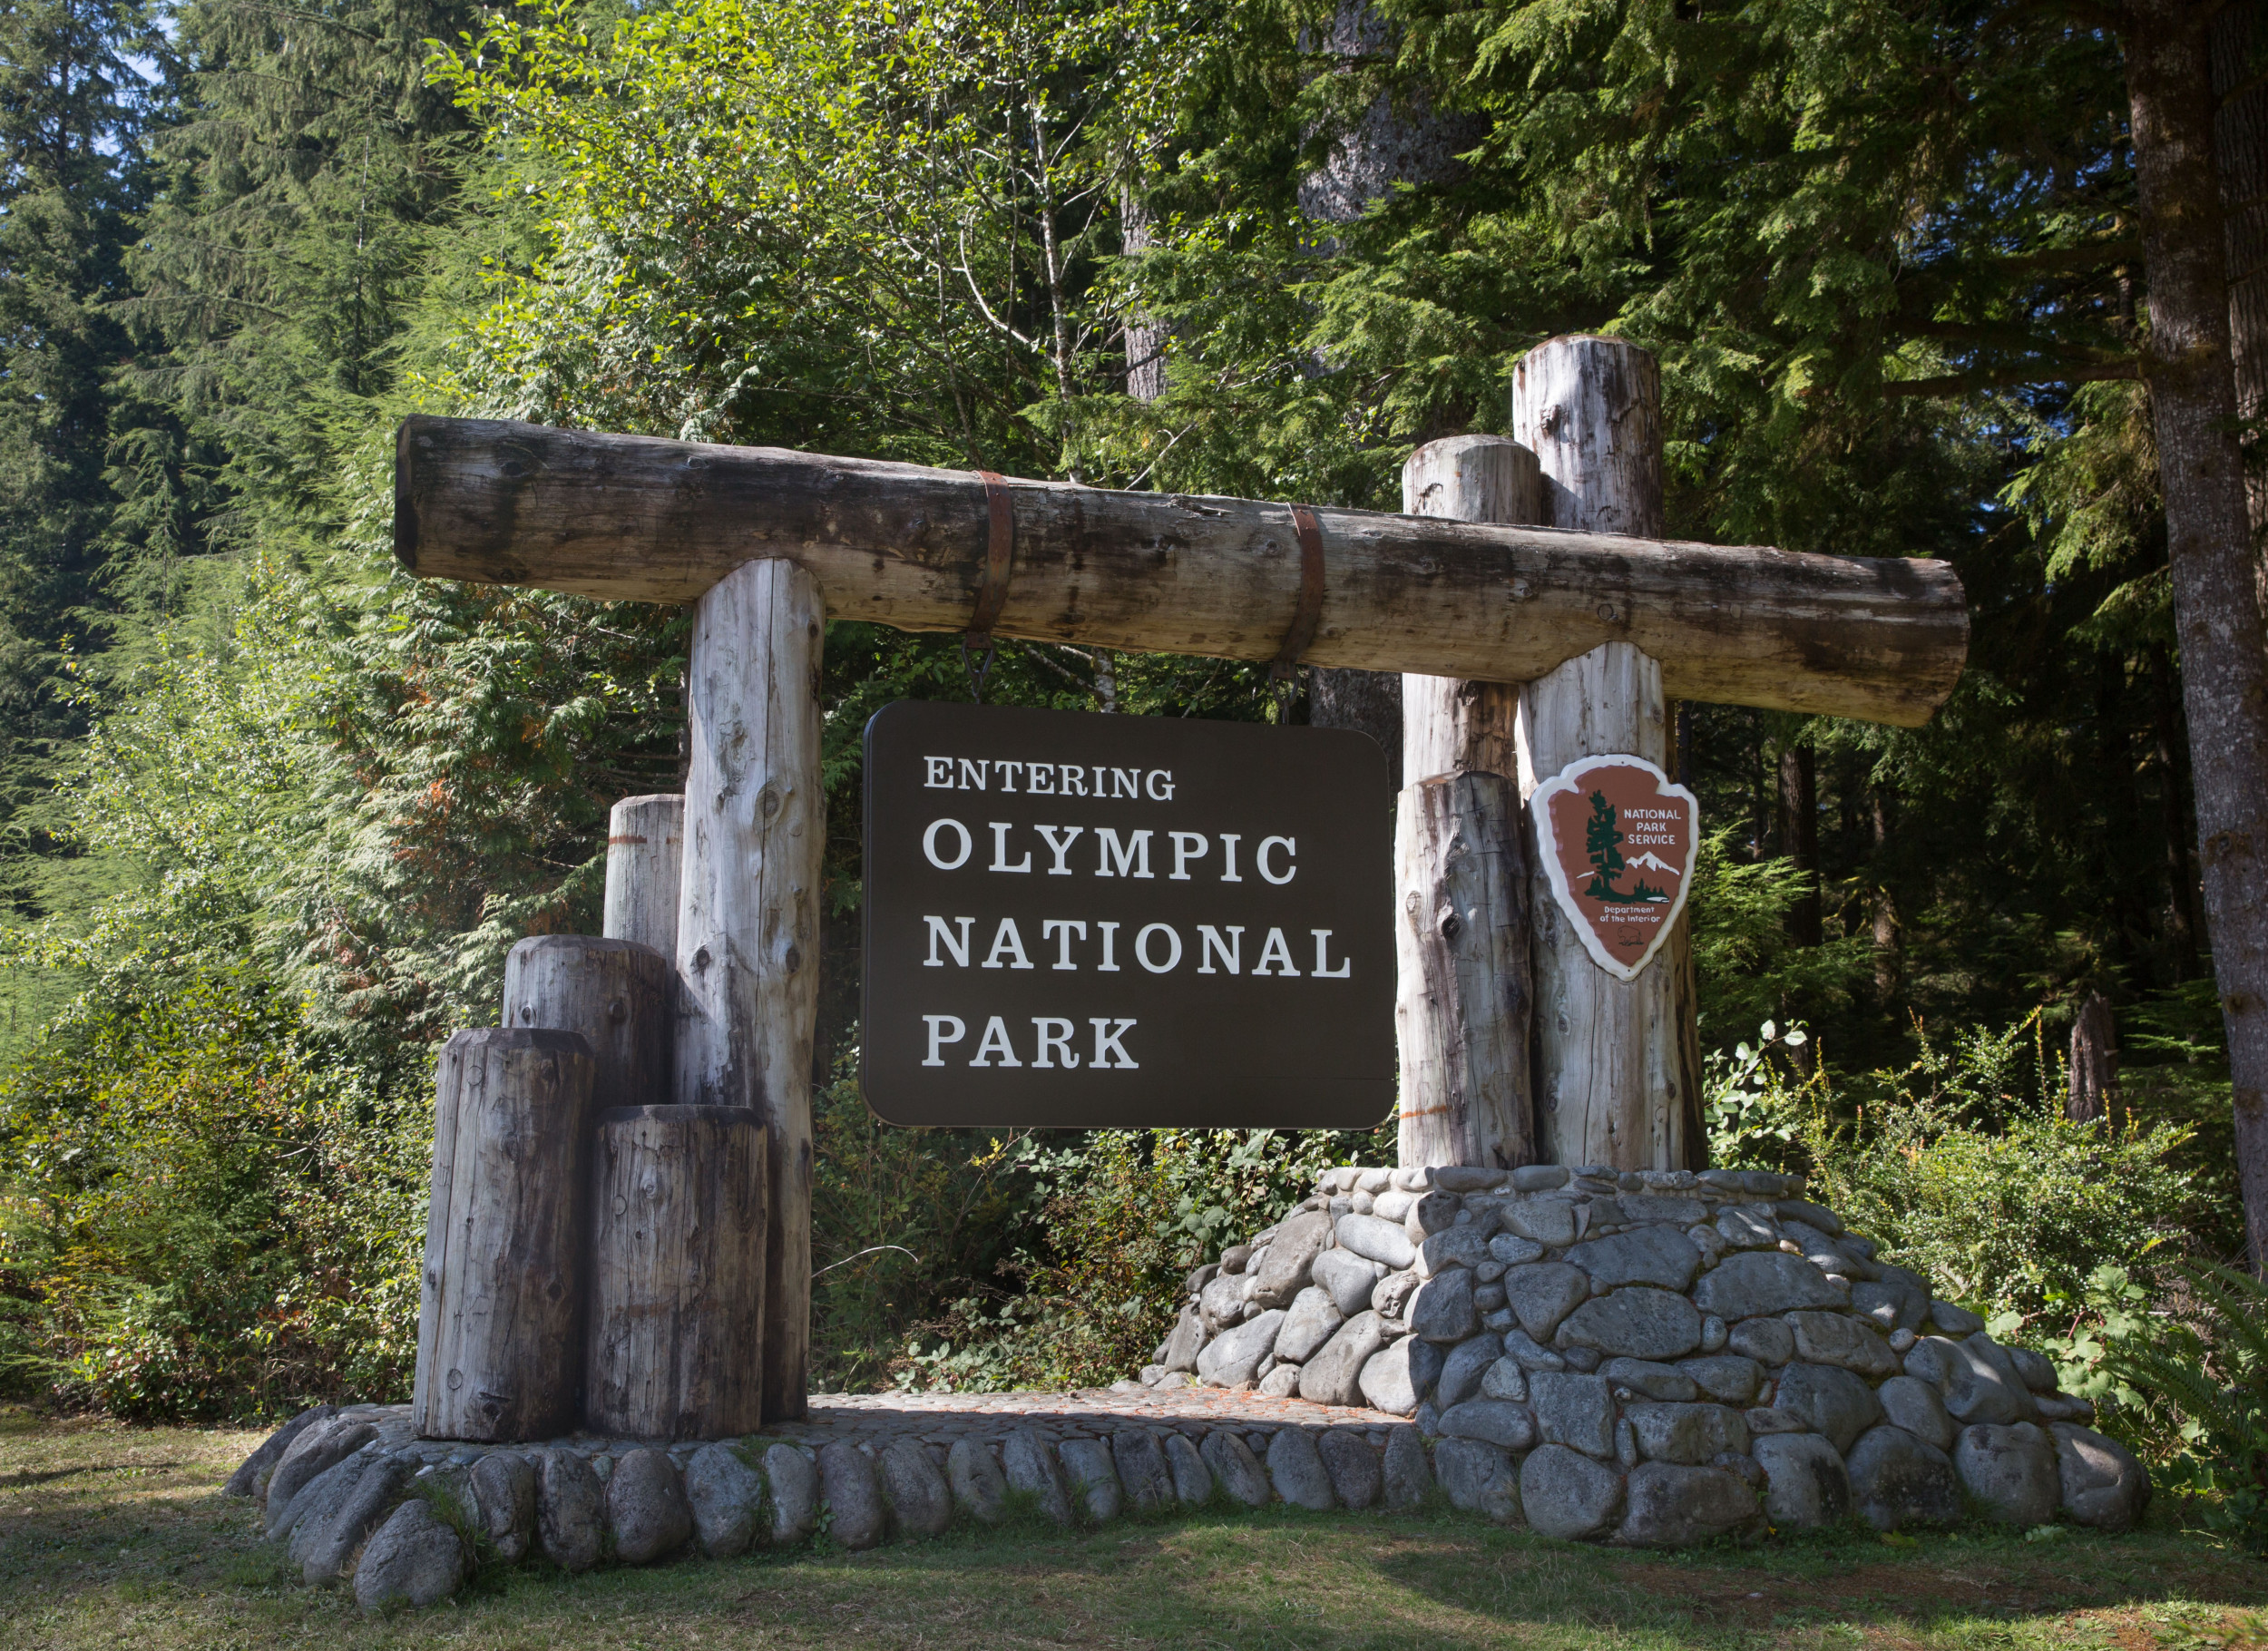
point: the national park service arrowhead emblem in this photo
(1619, 842)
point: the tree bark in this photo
(2240, 134)
(2093, 1072)
(676, 1274)
(626, 517)
(1889, 960)
(2216, 609)
(500, 1315)
(1799, 837)
(1618, 1062)
(617, 994)
(748, 912)
(645, 859)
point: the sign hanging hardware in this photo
(992, 596)
(1284, 673)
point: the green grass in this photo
(113, 1536)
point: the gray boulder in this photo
(1541, 1295)
(1830, 1400)
(1954, 1321)
(1352, 1465)
(2102, 1483)
(1182, 1345)
(1531, 1353)
(1984, 1353)
(1441, 1310)
(1283, 1273)
(1658, 1255)
(1297, 1472)
(1648, 1380)
(1234, 1356)
(1458, 1246)
(1891, 1304)
(1565, 1494)
(1309, 1323)
(1572, 1410)
(414, 1560)
(2032, 1369)
(920, 1501)
(1746, 1229)
(1637, 1322)
(503, 1486)
(1396, 1377)
(1462, 1370)
(1806, 1485)
(1376, 1240)
(1689, 1434)
(2010, 1471)
(1348, 1278)
(1492, 1421)
(1332, 1375)
(1478, 1478)
(856, 1516)
(317, 1450)
(1549, 1222)
(250, 1479)
(324, 1545)
(1406, 1472)
(1763, 1284)
(570, 1510)
(1913, 1404)
(1512, 1250)
(1667, 1505)
(1978, 1388)
(727, 1499)
(1505, 1380)
(976, 1482)
(1094, 1477)
(1726, 1377)
(1142, 1471)
(1391, 1297)
(1897, 1480)
(1768, 1340)
(646, 1508)
(793, 1479)
(1843, 1339)
(1032, 1470)
(1192, 1480)
(1222, 1303)
(1235, 1468)
(319, 1498)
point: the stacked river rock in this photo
(1658, 1356)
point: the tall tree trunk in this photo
(1799, 837)
(1889, 965)
(1145, 339)
(2182, 911)
(2240, 137)
(2094, 1071)
(2216, 610)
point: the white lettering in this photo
(1107, 1042)
(1039, 779)
(995, 1043)
(940, 772)
(1278, 951)
(1059, 1041)
(999, 848)
(929, 846)
(1007, 938)
(1057, 925)
(1261, 859)
(1007, 780)
(1124, 782)
(1151, 786)
(939, 932)
(1142, 949)
(972, 775)
(1109, 964)
(1228, 841)
(1071, 835)
(1323, 937)
(939, 1036)
(1187, 845)
(1074, 780)
(1133, 854)
(1231, 952)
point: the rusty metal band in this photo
(1000, 560)
(1309, 614)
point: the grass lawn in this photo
(113, 1536)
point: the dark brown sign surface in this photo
(1617, 842)
(1088, 920)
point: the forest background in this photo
(273, 813)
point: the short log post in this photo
(499, 1313)
(645, 857)
(2094, 1075)
(748, 913)
(1619, 1063)
(677, 1273)
(616, 992)
(1462, 998)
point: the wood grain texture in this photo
(676, 1274)
(500, 1313)
(1463, 997)
(748, 910)
(617, 994)
(645, 858)
(633, 517)
(1619, 1062)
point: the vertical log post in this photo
(645, 858)
(615, 992)
(2094, 1075)
(1462, 996)
(1619, 1063)
(677, 1273)
(748, 913)
(501, 1311)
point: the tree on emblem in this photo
(1602, 833)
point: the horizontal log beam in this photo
(628, 517)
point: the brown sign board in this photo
(1085, 921)
(1617, 841)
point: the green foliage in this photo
(1746, 966)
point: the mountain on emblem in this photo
(1619, 842)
